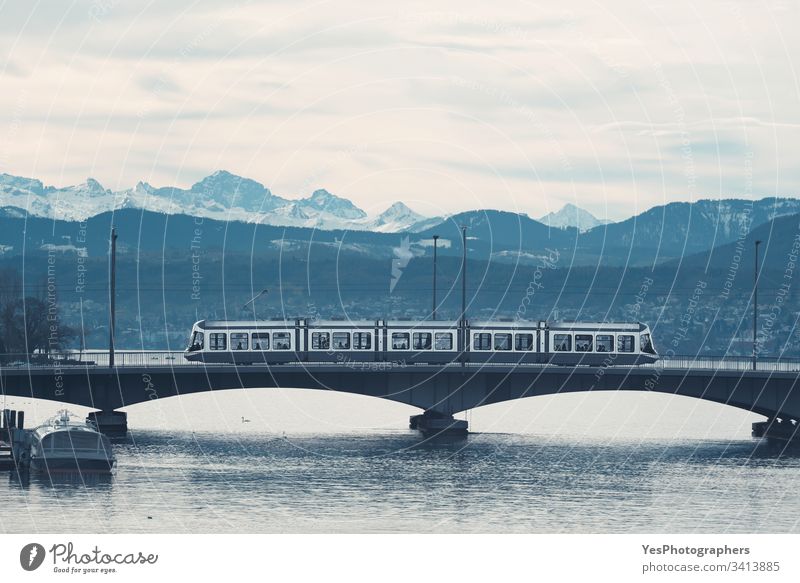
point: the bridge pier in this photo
(112, 423)
(434, 423)
(777, 428)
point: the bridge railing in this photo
(90, 358)
(733, 363)
(163, 358)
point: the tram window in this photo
(583, 342)
(422, 340)
(562, 342)
(281, 341)
(401, 340)
(604, 342)
(341, 340)
(218, 341)
(260, 340)
(482, 341)
(624, 343)
(444, 341)
(502, 341)
(645, 344)
(320, 341)
(197, 341)
(523, 342)
(238, 340)
(362, 340)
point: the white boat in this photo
(60, 444)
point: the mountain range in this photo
(249, 216)
(228, 197)
(222, 196)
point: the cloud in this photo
(511, 105)
(676, 128)
(11, 69)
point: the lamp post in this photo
(755, 307)
(464, 276)
(435, 241)
(112, 299)
(463, 324)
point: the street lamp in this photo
(464, 276)
(112, 296)
(755, 307)
(463, 325)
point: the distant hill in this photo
(173, 270)
(659, 235)
(680, 229)
(778, 252)
(500, 235)
(151, 232)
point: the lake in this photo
(312, 461)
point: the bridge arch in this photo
(445, 389)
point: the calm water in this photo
(312, 462)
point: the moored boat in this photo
(61, 444)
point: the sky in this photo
(448, 106)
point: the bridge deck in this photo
(99, 359)
(138, 377)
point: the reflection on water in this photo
(396, 481)
(66, 481)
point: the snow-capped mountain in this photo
(222, 196)
(225, 191)
(395, 219)
(321, 201)
(71, 203)
(572, 216)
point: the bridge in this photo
(440, 391)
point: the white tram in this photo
(411, 342)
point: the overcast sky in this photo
(614, 106)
